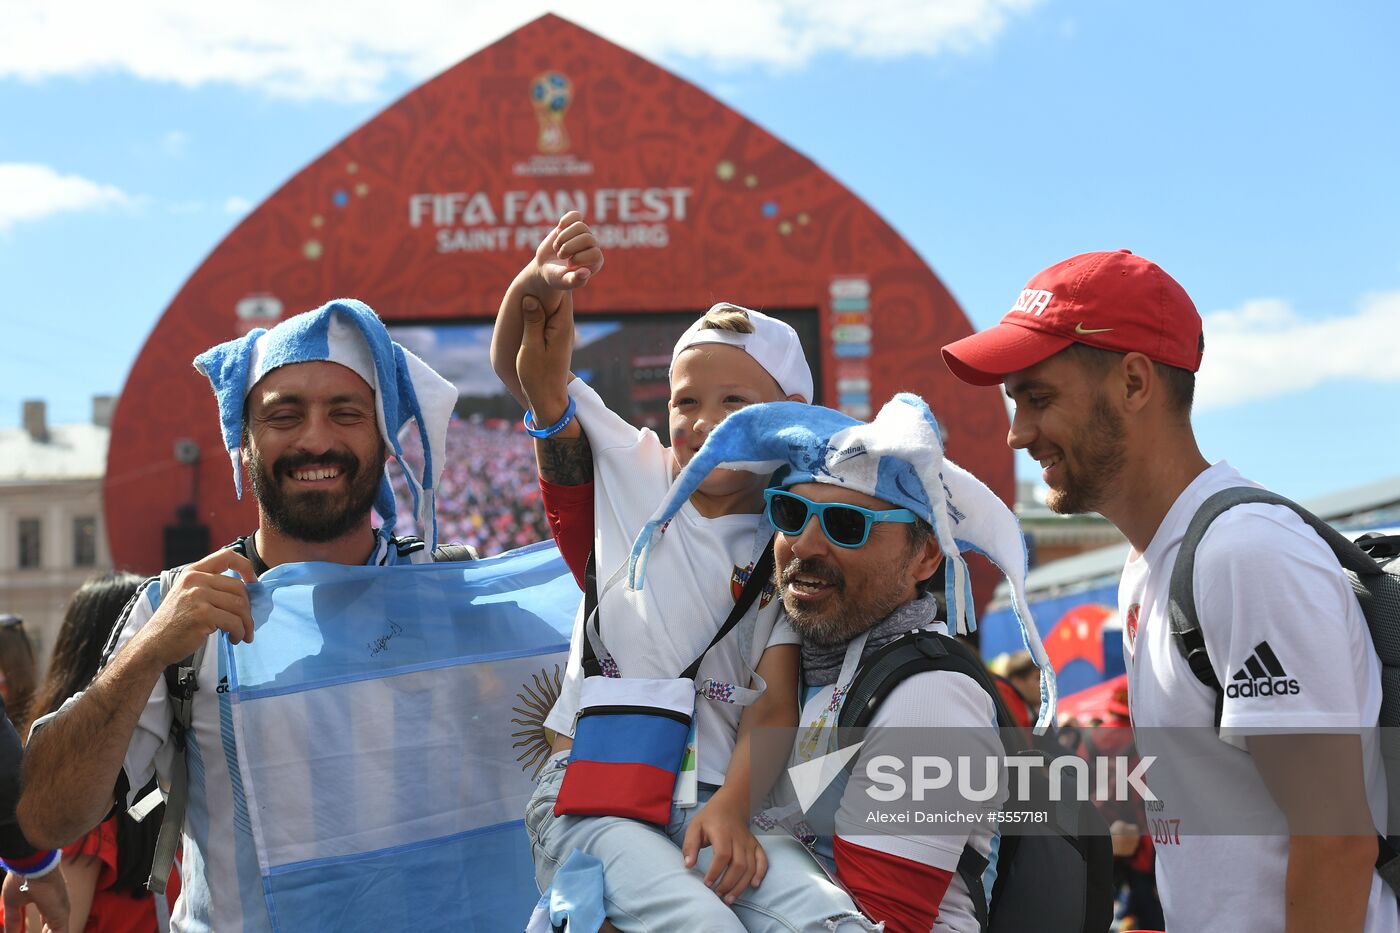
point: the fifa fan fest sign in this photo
(621, 218)
(428, 211)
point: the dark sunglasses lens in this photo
(844, 526)
(788, 514)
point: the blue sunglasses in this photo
(844, 525)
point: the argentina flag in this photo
(385, 724)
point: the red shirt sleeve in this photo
(903, 893)
(569, 510)
(100, 843)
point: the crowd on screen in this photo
(489, 494)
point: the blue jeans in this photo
(648, 888)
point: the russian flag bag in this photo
(631, 733)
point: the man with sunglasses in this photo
(865, 514)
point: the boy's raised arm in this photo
(566, 259)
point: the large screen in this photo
(489, 495)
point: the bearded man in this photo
(311, 410)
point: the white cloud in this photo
(30, 191)
(1264, 349)
(348, 51)
(236, 205)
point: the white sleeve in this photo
(150, 750)
(782, 633)
(1281, 624)
(561, 715)
(606, 430)
(965, 719)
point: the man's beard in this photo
(846, 616)
(1099, 452)
(316, 515)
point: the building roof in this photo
(72, 451)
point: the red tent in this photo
(1107, 701)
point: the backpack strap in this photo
(1181, 595)
(971, 868)
(1186, 622)
(180, 683)
(914, 653)
(918, 653)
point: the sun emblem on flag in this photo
(536, 698)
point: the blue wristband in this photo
(554, 428)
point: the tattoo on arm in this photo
(567, 461)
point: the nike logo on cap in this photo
(1082, 330)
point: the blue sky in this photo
(1250, 149)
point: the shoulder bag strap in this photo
(759, 577)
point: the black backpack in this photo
(1055, 882)
(1374, 573)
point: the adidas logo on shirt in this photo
(1261, 676)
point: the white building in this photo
(52, 535)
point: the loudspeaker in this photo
(185, 543)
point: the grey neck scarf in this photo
(821, 665)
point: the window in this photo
(29, 543)
(85, 541)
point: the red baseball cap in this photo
(1113, 300)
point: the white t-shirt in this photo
(693, 579)
(220, 884)
(1274, 607)
(933, 699)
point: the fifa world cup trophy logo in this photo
(551, 93)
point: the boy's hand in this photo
(739, 861)
(570, 255)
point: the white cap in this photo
(774, 344)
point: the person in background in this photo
(17, 670)
(32, 877)
(105, 870)
(1018, 681)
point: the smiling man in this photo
(864, 515)
(310, 410)
(1099, 353)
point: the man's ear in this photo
(1138, 380)
(796, 398)
(927, 563)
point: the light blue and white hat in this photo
(898, 457)
(408, 394)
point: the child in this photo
(729, 359)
